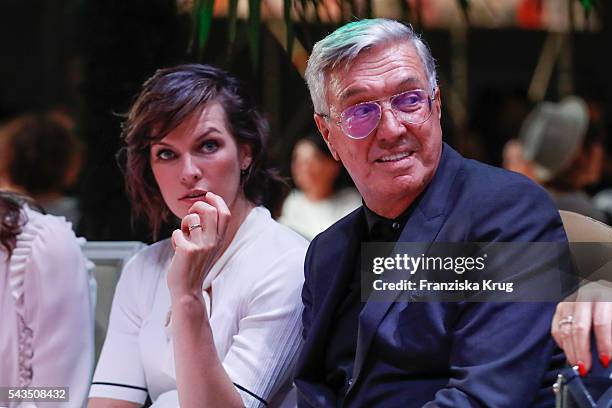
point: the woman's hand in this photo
(200, 377)
(198, 244)
(575, 321)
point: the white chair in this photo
(109, 258)
(594, 260)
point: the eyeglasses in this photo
(359, 120)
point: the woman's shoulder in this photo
(271, 246)
(48, 236)
(272, 236)
(38, 223)
(148, 260)
(142, 275)
(47, 249)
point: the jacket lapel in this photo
(423, 226)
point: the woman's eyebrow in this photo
(206, 132)
(202, 135)
(160, 143)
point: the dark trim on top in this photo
(119, 385)
(263, 401)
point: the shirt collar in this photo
(385, 229)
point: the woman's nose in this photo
(190, 171)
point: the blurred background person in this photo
(603, 201)
(323, 193)
(566, 151)
(513, 160)
(40, 156)
(46, 332)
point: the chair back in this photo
(109, 257)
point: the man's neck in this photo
(389, 208)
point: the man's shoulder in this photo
(488, 177)
(504, 205)
(491, 185)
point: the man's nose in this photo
(190, 171)
(390, 128)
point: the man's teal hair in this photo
(343, 45)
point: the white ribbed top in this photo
(255, 318)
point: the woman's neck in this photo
(319, 193)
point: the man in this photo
(378, 107)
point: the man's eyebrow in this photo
(410, 82)
(356, 90)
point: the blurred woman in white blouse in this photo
(323, 193)
(46, 331)
(212, 316)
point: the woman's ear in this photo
(246, 156)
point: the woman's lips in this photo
(193, 196)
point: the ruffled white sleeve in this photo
(51, 284)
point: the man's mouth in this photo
(394, 157)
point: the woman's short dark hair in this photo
(168, 98)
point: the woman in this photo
(46, 334)
(320, 199)
(212, 317)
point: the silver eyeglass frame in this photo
(430, 100)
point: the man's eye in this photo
(363, 110)
(360, 111)
(408, 101)
(209, 146)
(164, 154)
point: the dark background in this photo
(89, 58)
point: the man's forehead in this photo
(396, 66)
(401, 84)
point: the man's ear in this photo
(323, 127)
(438, 102)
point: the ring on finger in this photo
(565, 320)
(194, 226)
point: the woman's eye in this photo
(209, 146)
(164, 154)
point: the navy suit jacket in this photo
(437, 354)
